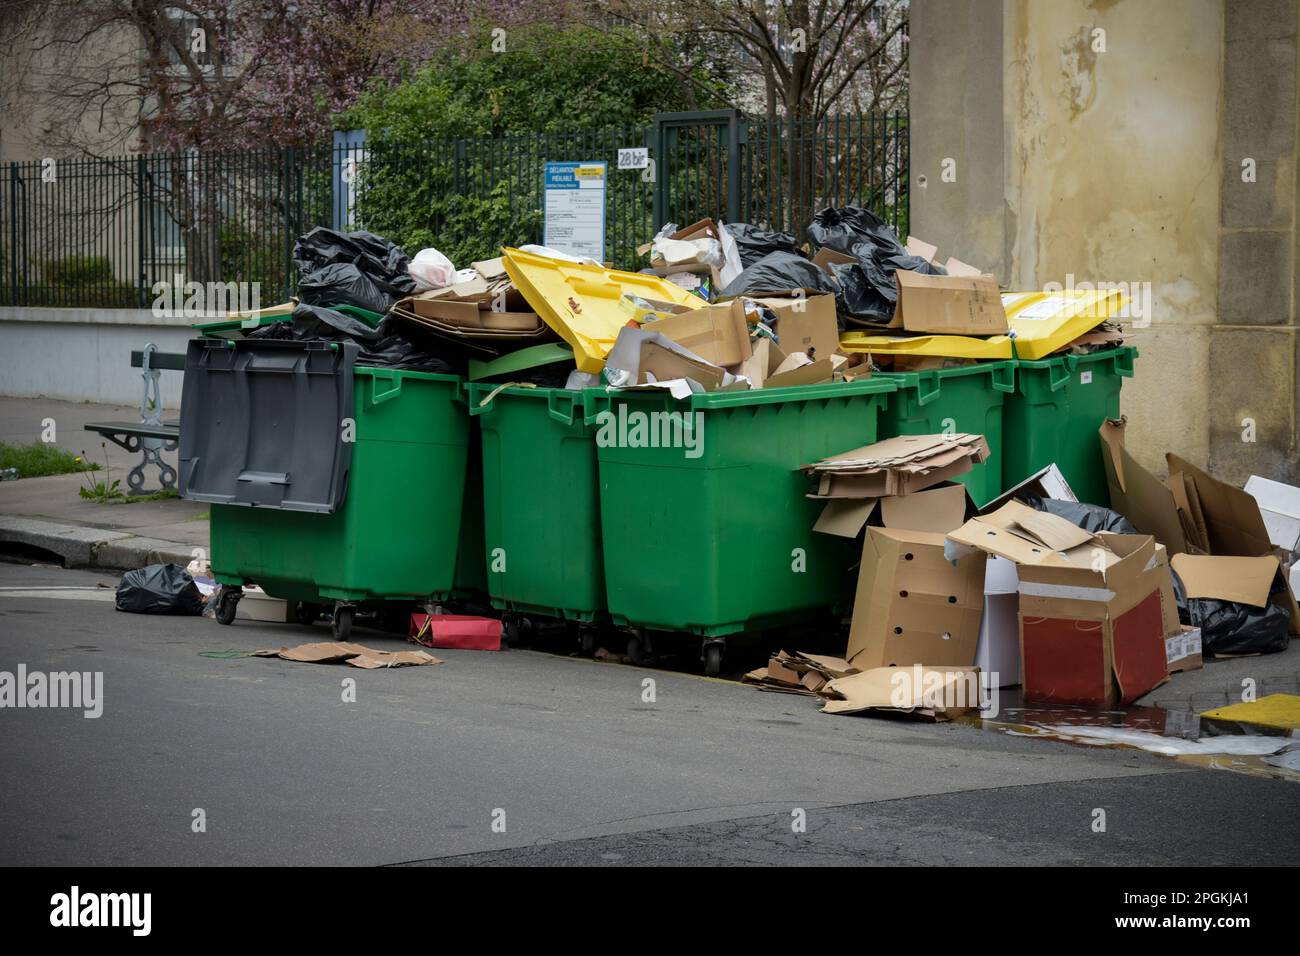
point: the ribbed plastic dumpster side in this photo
(966, 398)
(541, 511)
(1053, 416)
(713, 533)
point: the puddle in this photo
(1179, 734)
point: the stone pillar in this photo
(1104, 141)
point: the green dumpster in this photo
(328, 482)
(1053, 415)
(967, 398)
(705, 518)
(541, 511)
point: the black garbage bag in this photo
(843, 228)
(355, 268)
(867, 291)
(159, 589)
(1229, 627)
(314, 322)
(777, 273)
(754, 242)
(342, 283)
(397, 347)
(1092, 518)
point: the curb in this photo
(80, 546)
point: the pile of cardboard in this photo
(1010, 593)
(921, 693)
(1223, 546)
(897, 466)
(799, 673)
(743, 343)
(482, 311)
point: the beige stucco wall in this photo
(1111, 175)
(1124, 165)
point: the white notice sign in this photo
(575, 209)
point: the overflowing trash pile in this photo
(950, 476)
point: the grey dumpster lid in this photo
(262, 423)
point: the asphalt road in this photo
(563, 751)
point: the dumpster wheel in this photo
(228, 604)
(713, 658)
(343, 616)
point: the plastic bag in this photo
(779, 272)
(1228, 627)
(1092, 518)
(315, 322)
(842, 229)
(867, 291)
(753, 243)
(431, 270)
(355, 268)
(159, 589)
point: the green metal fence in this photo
(102, 232)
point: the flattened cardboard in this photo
(756, 366)
(955, 691)
(1227, 578)
(845, 517)
(953, 305)
(936, 510)
(357, 655)
(912, 605)
(1139, 495)
(716, 333)
(1233, 523)
(901, 465)
(919, 247)
(815, 373)
(658, 364)
(955, 267)
(826, 258)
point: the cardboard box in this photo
(806, 325)
(716, 333)
(1091, 623)
(912, 605)
(953, 305)
(1183, 650)
(1094, 638)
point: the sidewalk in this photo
(48, 515)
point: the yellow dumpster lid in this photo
(583, 301)
(1041, 322)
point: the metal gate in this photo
(697, 165)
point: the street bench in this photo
(150, 436)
